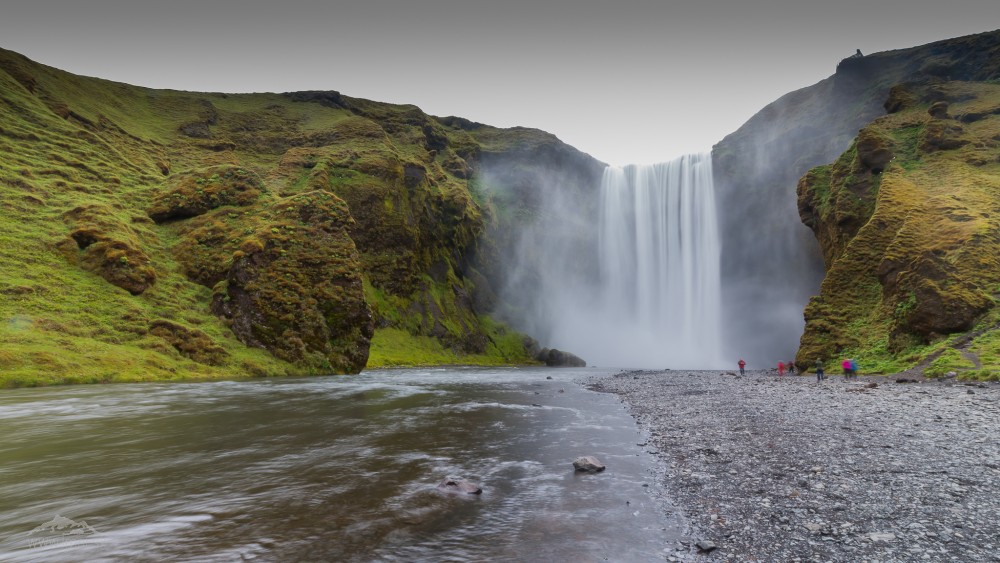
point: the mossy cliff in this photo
(757, 171)
(155, 234)
(908, 222)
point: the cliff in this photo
(155, 234)
(907, 222)
(758, 171)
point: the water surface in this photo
(327, 469)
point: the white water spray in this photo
(659, 258)
(633, 282)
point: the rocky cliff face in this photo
(759, 166)
(907, 221)
(158, 234)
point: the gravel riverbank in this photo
(787, 469)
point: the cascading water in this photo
(658, 299)
(630, 282)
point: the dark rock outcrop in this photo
(558, 358)
(757, 169)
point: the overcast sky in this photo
(628, 81)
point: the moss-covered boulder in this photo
(100, 242)
(295, 287)
(195, 193)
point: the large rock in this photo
(589, 464)
(295, 287)
(558, 358)
(195, 193)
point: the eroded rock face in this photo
(874, 150)
(102, 243)
(295, 287)
(907, 220)
(942, 135)
(198, 192)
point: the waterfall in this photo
(659, 254)
(628, 279)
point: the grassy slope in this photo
(68, 141)
(913, 253)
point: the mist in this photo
(623, 271)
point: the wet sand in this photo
(768, 468)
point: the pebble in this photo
(769, 469)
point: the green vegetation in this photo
(949, 360)
(162, 235)
(908, 222)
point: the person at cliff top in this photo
(781, 368)
(742, 364)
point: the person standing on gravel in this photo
(819, 370)
(781, 368)
(742, 365)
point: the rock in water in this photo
(589, 464)
(558, 358)
(459, 486)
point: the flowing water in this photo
(659, 255)
(327, 469)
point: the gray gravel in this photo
(787, 469)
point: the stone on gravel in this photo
(737, 459)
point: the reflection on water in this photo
(327, 469)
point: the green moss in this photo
(911, 251)
(213, 169)
(949, 360)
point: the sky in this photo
(629, 81)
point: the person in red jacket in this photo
(781, 368)
(742, 365)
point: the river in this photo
(340, 468)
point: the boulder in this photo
(938, 110)
(558, 358)
(195, 193)
(459, 487)
(874, 149)
(589, 464)
(295, 289)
